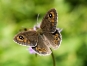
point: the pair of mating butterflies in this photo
(44, 37)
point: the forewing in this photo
(49, 21)
(28, 38)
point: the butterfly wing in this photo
(28, 38)
(49, 21)
(54, 38)
(42, 48)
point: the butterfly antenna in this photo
(37, 18)
(36, 27)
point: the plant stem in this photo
(53, 58)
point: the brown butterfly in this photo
(44, 37)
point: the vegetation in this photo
(18, 14)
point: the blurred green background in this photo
(17, 14)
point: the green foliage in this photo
(17, 14)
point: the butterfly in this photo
(45, 36)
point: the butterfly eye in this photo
(21, 37)
(50, 15)
(25, 29)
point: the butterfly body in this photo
(44, 37)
